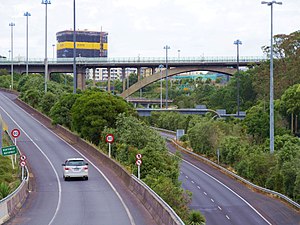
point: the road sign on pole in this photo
(10, 150)
(22, 163)
(139, 162)
(138, 156)
(23, 157)
(109, 138)
(15, 133)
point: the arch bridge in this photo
(226, 65)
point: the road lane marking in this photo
(205, 193)
(192, 182)
(219, 208)
(227, 217)
(212, 200)
(43, 153)
(236, 194)
(186, 177)
(198, 187)
(59, 202)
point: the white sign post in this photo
(22, 164)
(109, 139)
(15, 133)
(139, 162)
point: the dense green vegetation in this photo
(9, 177)
(92, 114)
(244, 145)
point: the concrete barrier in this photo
(229, 173)
(160, 211)
(10, 205)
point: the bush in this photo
(4, 190)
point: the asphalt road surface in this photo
(223, 200)
(56, 202)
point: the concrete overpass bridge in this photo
(225, 65)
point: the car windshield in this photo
(75, 163)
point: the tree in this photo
(60, 112)
(257, 122)
(47, 101)
(94, 110)
(290, 102)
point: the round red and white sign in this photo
(23, 157)
(22, 163)
(110, 138)
(138, 156)
(138, 162)
(15, 133)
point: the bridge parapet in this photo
(137, 60)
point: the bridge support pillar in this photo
(81, 80)
(139, 78)
(123, 79)
(108, 80)
(94, 76)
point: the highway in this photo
(54, 201)
(223, 200)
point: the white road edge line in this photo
(57, 177)
(111, 185)
(229, 190)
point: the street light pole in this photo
(237, 43)
(53, 45)
(74, 50)
(271, 79)
(46, 2)
(12, 53)
(166, 48)
(160, 67)
(27, 14)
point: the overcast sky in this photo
(144, 27)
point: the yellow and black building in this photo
(88, 44)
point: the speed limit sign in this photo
(109, 138)
(15, 133)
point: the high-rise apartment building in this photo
(88, 44)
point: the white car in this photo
(75, 167)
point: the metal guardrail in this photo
(85, 60)
(279, 195)
(166, 205)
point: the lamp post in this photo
(160, 67)
(12, 53)
(53, 45)
(46, 2)
(167, 48)
(271, 79)
(237, 43)
(178, 53)
(74, 50)
(27, 14)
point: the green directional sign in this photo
(10, 150)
